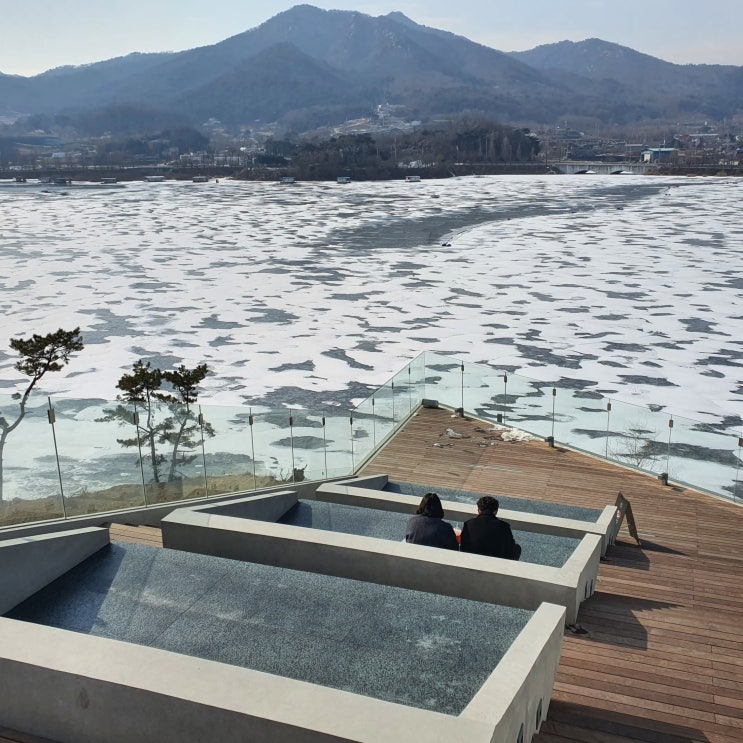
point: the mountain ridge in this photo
(337, 63)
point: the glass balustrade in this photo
(339, 443)
(443, 379)
(229, 461)
(580, 419)
(363, 432)
(637, 437)
(99, 459)
(272, 437)
(701, 453)
(100, 456)
(29, 478)
(383, 404)
(482, 392)
(408, 385)
(308, 445)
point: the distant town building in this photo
(658, 154)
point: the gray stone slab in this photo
(515, 504)
(390, 643)
(540, 549)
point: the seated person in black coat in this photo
(428, 526)
(486, 534)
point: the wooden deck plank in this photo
(149, 535)
(662, 661)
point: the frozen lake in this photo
(317, 293)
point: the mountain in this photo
(307, 65)
(714, 91)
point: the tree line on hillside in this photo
(467, 140)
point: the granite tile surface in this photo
(390, 643)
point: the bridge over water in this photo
(573, 167)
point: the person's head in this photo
(431, 506)
(487, 504)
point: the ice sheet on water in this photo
(324, 289)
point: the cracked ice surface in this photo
(317, 293)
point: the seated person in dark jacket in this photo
(428, 526)
(486, 534)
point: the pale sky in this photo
(40, 34)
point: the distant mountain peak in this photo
(307, 65)
(399, 17)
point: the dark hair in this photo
(431, 506)
(487, 504)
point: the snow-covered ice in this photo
(317, 293)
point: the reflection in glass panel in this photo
(704, 457)
(338, 440)
(581, 418)
(169, 437)
(406, 395)
(98, 456)
(272, 438)
(228, 450)
(483, 392)
(308, 446)
(530, 403)
(29, 479)
(363, 433)
(383, 404)
(637, 437)
(443, 379)
(738, 486)
(417, 380)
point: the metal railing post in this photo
(252, 447)
(52, 418)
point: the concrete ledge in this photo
(266, 507)
(518, 704)
(30, 563)
(350, 494)
(144, 516)
(77, 688)
(490, 579)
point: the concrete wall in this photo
(149, 516)
(350, 494)
(76, 688)
(29, 564)
(478, 577)
(522, 699)
(265, 507)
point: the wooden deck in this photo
(149, 535)
(662, 659)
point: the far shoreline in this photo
(94, 174)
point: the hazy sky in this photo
(40, 34)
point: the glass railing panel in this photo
(581, 419)
(443, 380)
(383, 405)
(228, 449)
(309, 446)
(172, 458)
(637, 437)
(704, 457)
(339, 444)
(483, 392)
(99, 456)
(408, 390)
(29, 484)
(272, 437)
(529, 405)
(417, 380)
(364, 432)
